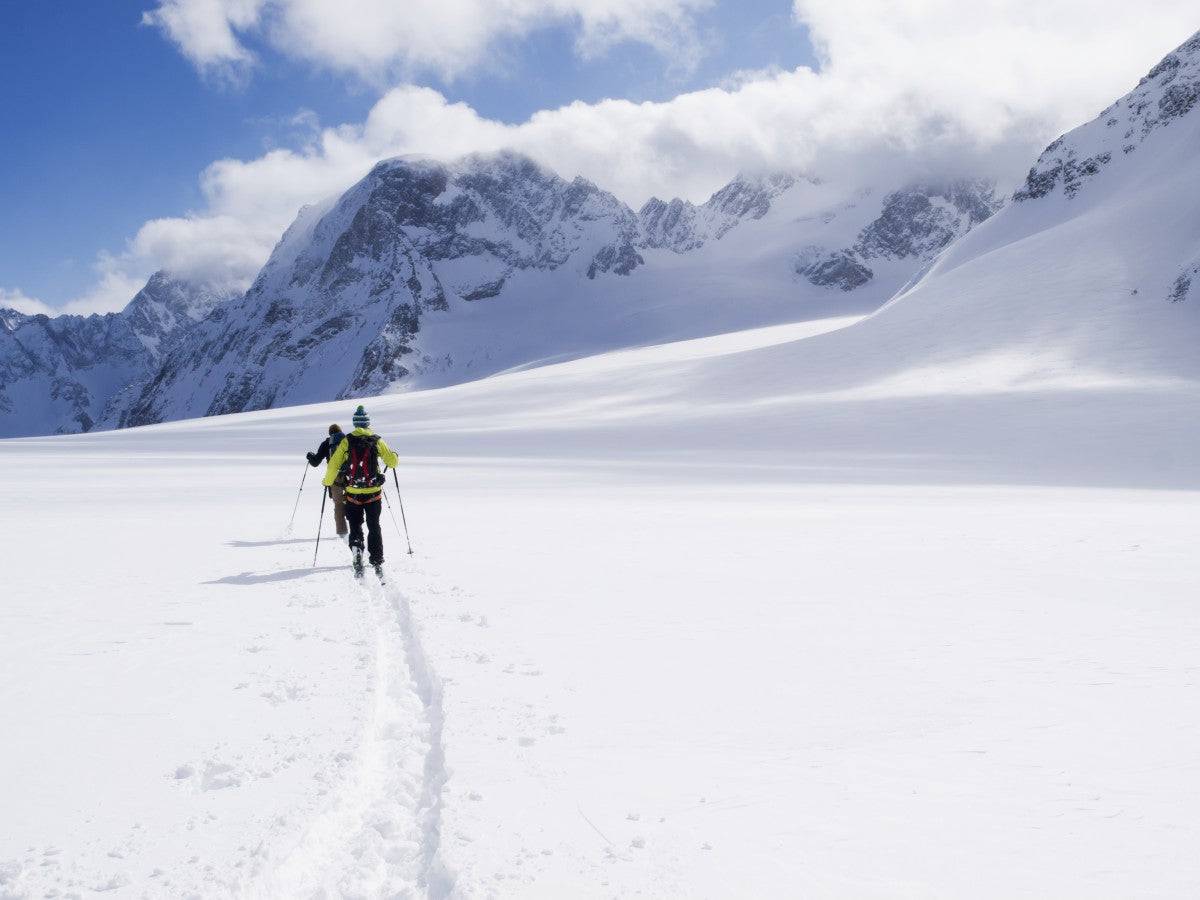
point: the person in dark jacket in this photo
(337, 490)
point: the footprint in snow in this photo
(118, 881)
(218, 776)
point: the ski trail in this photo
(435, 878)
(380, 833)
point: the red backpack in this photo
(361, 469)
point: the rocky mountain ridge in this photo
(60, 374)
(1163, 97)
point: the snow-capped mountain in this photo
(682, 226)
(59, 374)
(162, 311)
(1087, 281)
(915, 223)
(426, 273)
(1142, 123)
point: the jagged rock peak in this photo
(750, 196)
(681, 226)
(11, 319)
(504, 204)
(168, 305)
(1165, 95)
(922, 219)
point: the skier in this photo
(337, 490)
(357, 460)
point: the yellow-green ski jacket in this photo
(336, 461)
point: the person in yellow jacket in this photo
(357, 460)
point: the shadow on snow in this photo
(285, 575)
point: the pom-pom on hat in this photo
(361, 419)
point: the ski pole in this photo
(392, 515)
(292, 520)
(403, 518)
(320, 522)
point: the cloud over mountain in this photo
(939, 88)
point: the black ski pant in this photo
(356, 512)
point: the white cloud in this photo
(15, 298)
(118, 279)
(204, 30)
(938, 86)
(379, 38)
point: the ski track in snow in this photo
(433, 876)
(381, 835)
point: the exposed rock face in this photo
(832, 268)
(923, 219)
(60, 374)
(746, 198)
(162, 312)
(1182, 287)
(917, 222)
(1185, 282)
(1168, 92)
(673, 225)
(682, 226)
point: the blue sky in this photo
(107, 124)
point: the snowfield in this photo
(903, 605)
(671, 629)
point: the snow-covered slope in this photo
(59, 374)
(427, 274)
(670, 630)
(1084, 279)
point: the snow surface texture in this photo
(653, 641)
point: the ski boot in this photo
(357, 561)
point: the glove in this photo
(312, 458)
